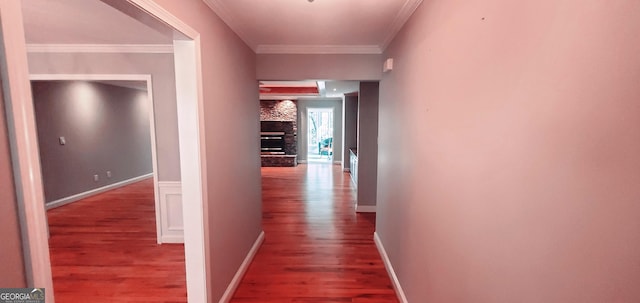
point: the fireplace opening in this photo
(272, 143)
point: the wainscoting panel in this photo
(172, 228)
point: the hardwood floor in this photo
(316, 248)
(103, 249)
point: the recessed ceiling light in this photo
(335, 89)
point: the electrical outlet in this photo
(108, 174)
(62, 140)
(96, 178)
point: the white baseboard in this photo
(171, 222)
(80, 196)
(302, 161)
(387, 264)
(365, 208)
(346, 169)
(231, 289)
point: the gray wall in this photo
(106, 128)
(161, 69)
(232, 119)
(350, 109)
(303, 125)
(367, 143)
(304, 67)
(12, 271)
(509, 158)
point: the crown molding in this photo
(218, 7)
(221, 10)
(318, 49)
(101, 48)
(403, 15)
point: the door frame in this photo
(152, 126)
(26, 162)
(329, 109)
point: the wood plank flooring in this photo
(316, 248)
(103, 249)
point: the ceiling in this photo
(320, 26)
(274, 26)
(279, 90)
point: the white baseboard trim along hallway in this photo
(80, 196)
(387, 264)
(231, 289)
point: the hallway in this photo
(316, 248)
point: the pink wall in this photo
(232, 112)
(11, 261)
(509, 161)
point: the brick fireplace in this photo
(278, 144)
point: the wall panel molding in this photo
(171, 223)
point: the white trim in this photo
(154, 151)
(392, 274)
(101, 48)
(193, 165)
(302, 161)
(365, 208)
(152, 119)
(24, 149)
(155, 10)
(237, 278)
(322, 87)
(318, 49)
(170, 230)
(221, 10)
(401, 18)
(190, 104)
(91, 77)
(346, 169)
(95, 191)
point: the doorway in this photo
(138, 159)
(188, 78)
(320, 135)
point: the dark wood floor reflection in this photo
(316, 248)
(103, 249)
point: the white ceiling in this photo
(338, 88)
(321, 26)
(274, 26)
